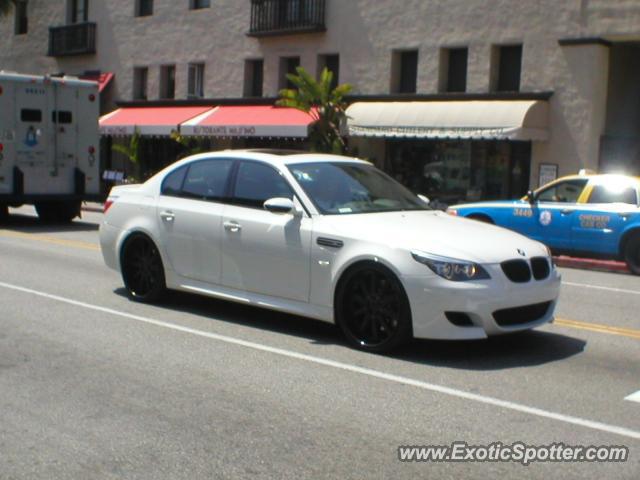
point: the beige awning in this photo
(469, 119)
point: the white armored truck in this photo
(49, 144)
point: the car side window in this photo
(602, 194)
(172, 183)
(563, 192)
(256, 183)
(207, 179)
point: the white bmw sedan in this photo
(326, 237)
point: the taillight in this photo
(451, 211)
(108, 204)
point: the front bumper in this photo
(431, 296)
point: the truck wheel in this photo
(59, 212)
(4, 212)
(632, 254)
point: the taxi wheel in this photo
(481, 218)
(632, 254)
(372, 309)
(142, 269)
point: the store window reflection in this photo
(453, 171)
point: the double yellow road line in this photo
(562, 322)
(596, 327)
(49, 239)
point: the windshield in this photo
(346, 188)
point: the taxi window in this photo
(602, 194)
(563, 192)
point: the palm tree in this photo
(324, 104)
(132, 152)
(5, 7)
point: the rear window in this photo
(172, 184)
(207, 179)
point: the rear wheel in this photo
(372, 309)
(632, 254)
(142, 270)
(61, 212)
(4, 212)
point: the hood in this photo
(437, 233)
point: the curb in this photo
(95, 207)
(591, 264)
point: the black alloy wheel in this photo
(142, 269)
(372, 309)
(632, 254)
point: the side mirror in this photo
(424, 198)
(279, 205)
(531, 198)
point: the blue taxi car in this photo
(588, 215)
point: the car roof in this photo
(279, 157)
(598, 178)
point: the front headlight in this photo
(450, 268)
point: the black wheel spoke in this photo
(372, 308)
(142, 268)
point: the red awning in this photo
(249, 121)
(147, 120)
(103, 79)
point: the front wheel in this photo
(372, 309)
(142, 270)
(632, 254)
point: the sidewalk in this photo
(591, 264)
(92, 207)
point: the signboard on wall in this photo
(548, 173)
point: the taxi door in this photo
(554, 212)
(597, 226)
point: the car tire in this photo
(4, 212)
(372, 308)
(632, 254)
(142, 269)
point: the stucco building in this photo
(459, 99)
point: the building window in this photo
(253, 77)
(197, 4)
(506, 68)
(195, 81)
(22, 24)
(453, 69)
(404, 71)
(168, 81)
(79, 11)
(140, 75)
(288, 65)
(143, 8)
(331, 63)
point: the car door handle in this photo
(167, 216)
(566, 211)
(232, 226)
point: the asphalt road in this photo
(95, 386)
